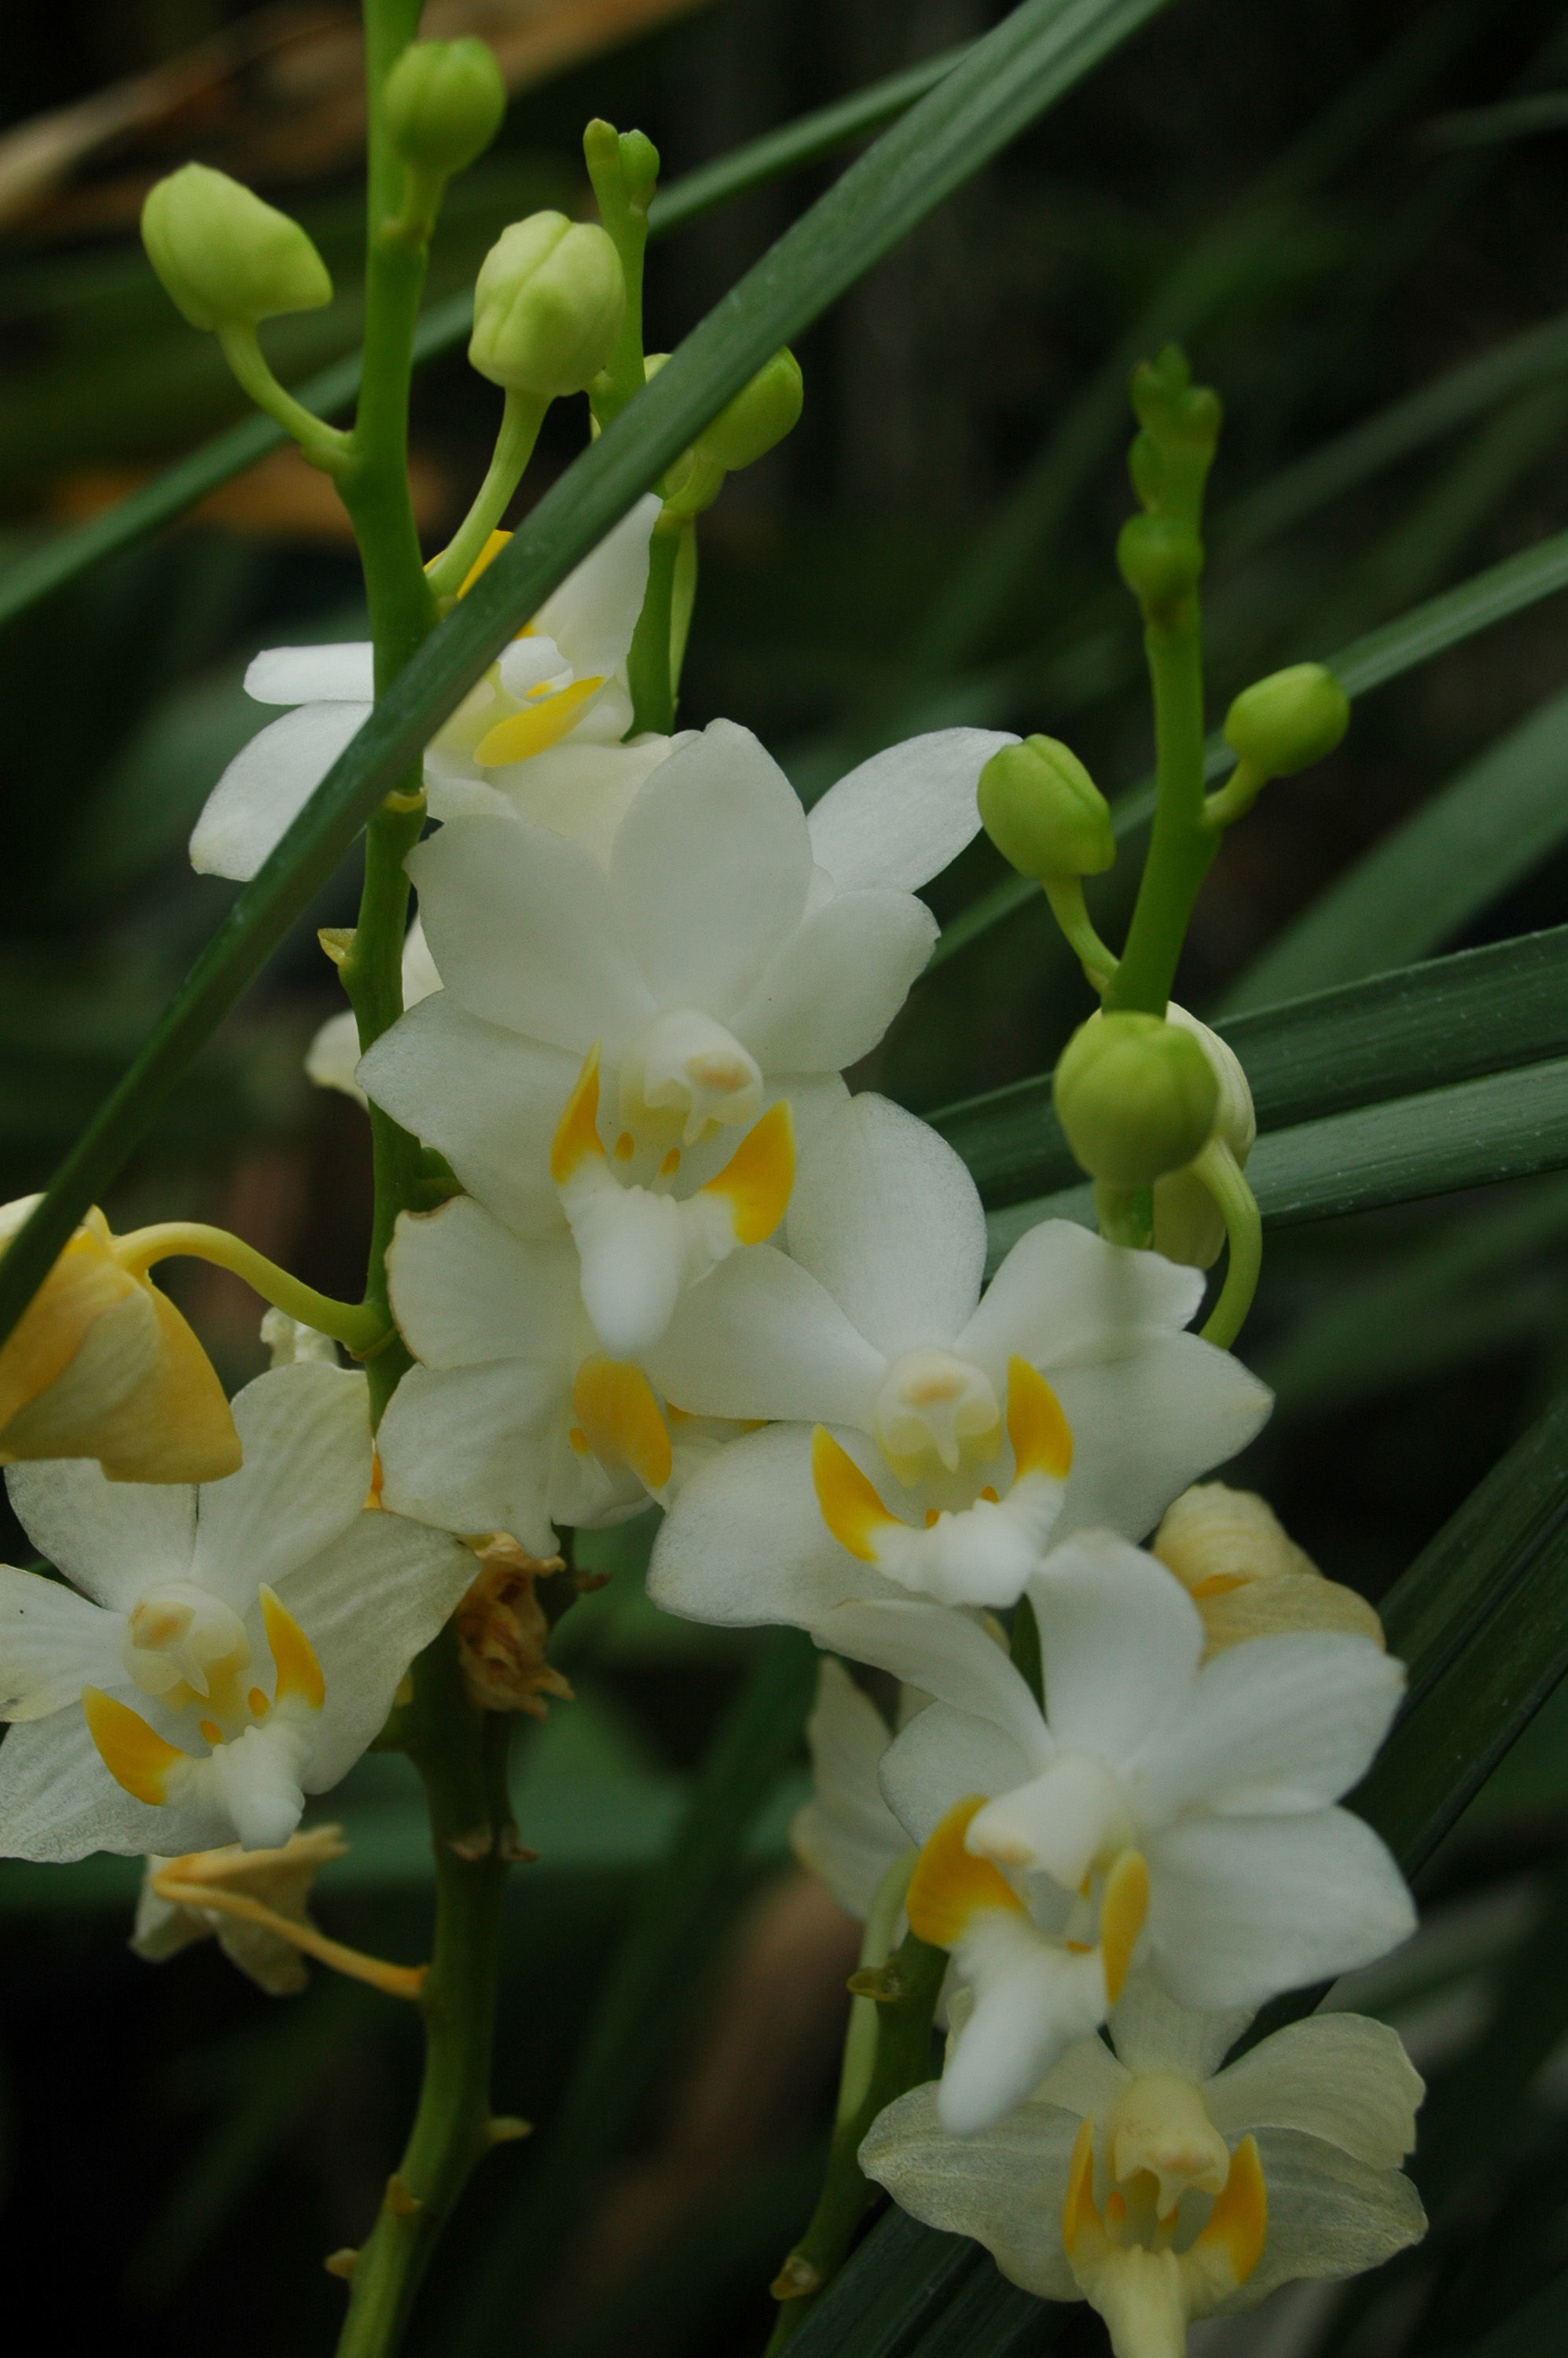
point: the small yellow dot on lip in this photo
(258, 1703)
(989, 1493)
(671, 1164)
(210, 1730)
(579, 1440)
(932, 1517)
(625, 1147)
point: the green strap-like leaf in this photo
(1424, 1027)
(443, 328)
(1456, 856)
(1001, 83)
(1391, 433)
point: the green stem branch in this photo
(905, 2002)
(649, 667)
(460, 1755)
(325, 446)
(1181, 845)
(1220, 1172)
(359, 1325)
(1066, 895)
(520, 423)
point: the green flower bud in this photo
(444, 101)
(1044, 812)
(1289, 720)
(1136, 1097)
(547, 306)
(225, 258)
(1161, 560)
(761, 415)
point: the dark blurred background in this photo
(1323, 205)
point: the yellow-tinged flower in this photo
(102, 1365)
(279, 1880)
(1162, 2185)
(1246, 1575)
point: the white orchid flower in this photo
(846, 1832)
(516, 1419)
(540, 733)
(220, 1651)
(631, 1049)
(1167, 1812)
(1165, 2189)
(967, 1433)
(540, 737)
(333, 1053)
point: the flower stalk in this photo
(360, 1326)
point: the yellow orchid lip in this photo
(621, 1421)
(950, 1884)
(522, 734)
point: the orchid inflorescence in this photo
(639, 1243)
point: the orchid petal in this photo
(1335, 2076)
(745, 1543)
(1243, 1908)
(525, 932)
(52, 1644)
(711, 866)
(111, 1540)
(887, 1218)
(267, 784)
(1120, 1640)
(1280, 1724)
(837, 983)
(342, 672)
(307, 1472)
(762, 1339)
(902, 817)
(1004, 2187)
(481, 1096)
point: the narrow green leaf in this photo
(443, 328)
(1391, 433)
(881, 2302)
(1418, 637)
(799, 144)
(1471, 1290)
(643, 2005)
(1478, 835)
(1423, 1027)
(1007, 79)
(1534, 2330)
(1481, 1617)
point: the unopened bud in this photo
(225, 258)
(761, 415)
(1161, 560)
(547, 306)
(1289, 720)
(1136, 1097)
(626, 157)
(444, 101)
(1044, 812)
(1189, 1225)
